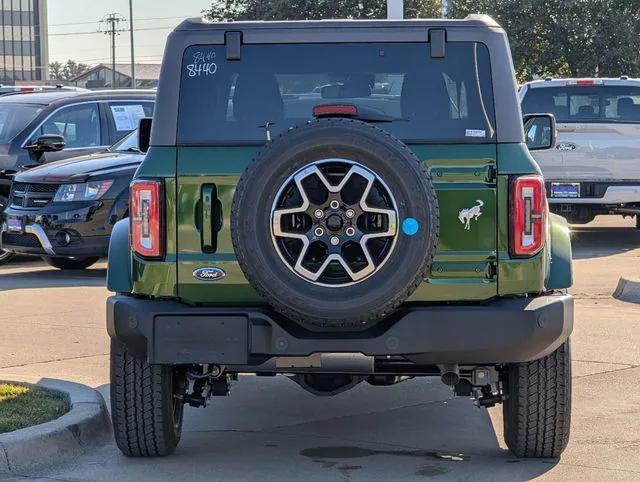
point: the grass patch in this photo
(24, 405)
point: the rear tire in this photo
(537, 412)
(71, 263)
(147, 418)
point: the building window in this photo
(20, 43)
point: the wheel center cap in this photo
(334, 222)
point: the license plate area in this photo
(180, 338)
(565, 190)
(15, 225)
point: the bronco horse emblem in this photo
(466, 215)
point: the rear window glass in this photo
(426, 99)
(580, 104)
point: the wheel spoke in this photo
(355, 276)
(298, 265)
(277, 214)
(390, 213)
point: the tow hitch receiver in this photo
(205, 382)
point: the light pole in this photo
(395, 9)
(445, 8)
(109, 25)
(133, 54)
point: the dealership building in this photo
(24, 55)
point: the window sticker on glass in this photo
(203, 63)
(475, 133)
(127, 116)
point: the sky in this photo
(153, 20)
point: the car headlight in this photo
(87, 191)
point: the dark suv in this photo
(48, 126)
(64, 211)
(341, 202)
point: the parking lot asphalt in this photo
(52, 326)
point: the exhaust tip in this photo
(450, 379)
(449, 374)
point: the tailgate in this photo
(599, 152)
(464, 267)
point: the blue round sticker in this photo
(410, 226)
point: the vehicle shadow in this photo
(270, 426)
(46, 277)
(599, 242)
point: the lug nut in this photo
(318, 231)
(334, 204)
(335, 240)
(350, 231)
(318, 213)
(350, 213)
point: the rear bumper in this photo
(504, 331)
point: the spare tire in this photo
(335, 223)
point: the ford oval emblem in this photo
(566, 146)
(209, 274)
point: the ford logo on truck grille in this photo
(209, 274)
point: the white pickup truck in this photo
(595, 167)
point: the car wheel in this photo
(5, 256)
(71, 263)
(335, 223)
(146, 405)
(537, 412)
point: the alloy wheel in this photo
(334, 222)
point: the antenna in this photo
(110, 25)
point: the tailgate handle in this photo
(211, 221)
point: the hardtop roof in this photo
(196, 32)
(199, 24)
(583, 82)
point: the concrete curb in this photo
(86, 424)
(628, 290)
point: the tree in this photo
(548, 37)
(224, 10)
(565, 37)
(67, 71)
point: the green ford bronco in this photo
(340, 202)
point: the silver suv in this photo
(595, 167)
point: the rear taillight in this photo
(335, 110)
(146, 219)
(585, 82)
(528, 215)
